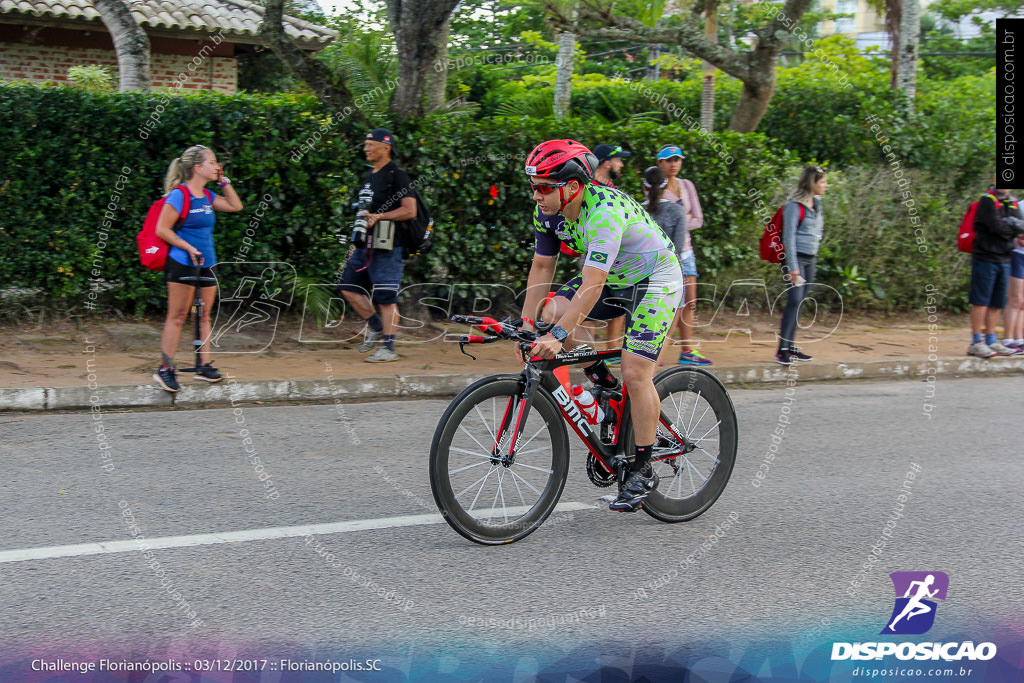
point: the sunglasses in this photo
(547, 189)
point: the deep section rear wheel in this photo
(696, 407)
(482, 493)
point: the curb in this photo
(232, 392)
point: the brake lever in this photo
(462, 347)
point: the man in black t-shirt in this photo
(374, 271)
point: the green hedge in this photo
(66, 149)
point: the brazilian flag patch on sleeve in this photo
(598, 257)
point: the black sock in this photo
(643, 458)
(599, 374)
(374, 323)
(389, 342)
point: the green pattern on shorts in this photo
(652, 318)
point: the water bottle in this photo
(588, 404)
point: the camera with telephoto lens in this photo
(361, 224)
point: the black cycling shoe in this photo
(636, 488)
(208, 373)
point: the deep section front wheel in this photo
(692, 471)
(485, 491)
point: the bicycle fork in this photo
(510, 431)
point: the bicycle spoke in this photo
(522, 498)
(484, 420)
(482, 447)
(713, 457)
(520, 478)
(482, 480)
(534, 467)
(465, 452)
(542, 428)
(691, 466)
(467, 467)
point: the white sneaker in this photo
(1003, 350)
(371, 340)
(980, 349)
(382, 355)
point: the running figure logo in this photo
(914, 612)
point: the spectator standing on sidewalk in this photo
(997, 222)
(373, 275)
(801, 239)
(609, 163)
(684, 193)
(1013, 318)
(670, 217)
(191, 242)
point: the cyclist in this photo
(628, 263)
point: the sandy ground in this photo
(126, 352)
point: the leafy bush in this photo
(66, 149)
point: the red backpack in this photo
(771, 240)
(965, 235)
(153, 250)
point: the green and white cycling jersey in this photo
(614, 232)
(644, 279)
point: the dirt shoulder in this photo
(126, 352)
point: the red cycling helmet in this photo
(562, 161)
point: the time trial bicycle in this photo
(499, 457)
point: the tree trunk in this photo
(753, 103)
(130, 42)
(707, 93)
(418, 27)
(893, 21)
(563, 74)
(437, 83)
(910, 30)
(653, 68)
(756, 69)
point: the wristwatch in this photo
(559, 333)
(224, 181)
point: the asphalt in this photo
(87, 369)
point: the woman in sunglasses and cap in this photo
(683, 193)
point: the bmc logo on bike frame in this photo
(571, 410)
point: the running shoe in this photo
(783, 357)
(382, 355)
(692, 358)
(980, 349)
(371, 340)
(1002, 350)
(796, 354)
(208, 373)
(165, 377)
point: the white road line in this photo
(165, 542)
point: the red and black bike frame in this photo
(552, 376)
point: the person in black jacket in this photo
(997, 223)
